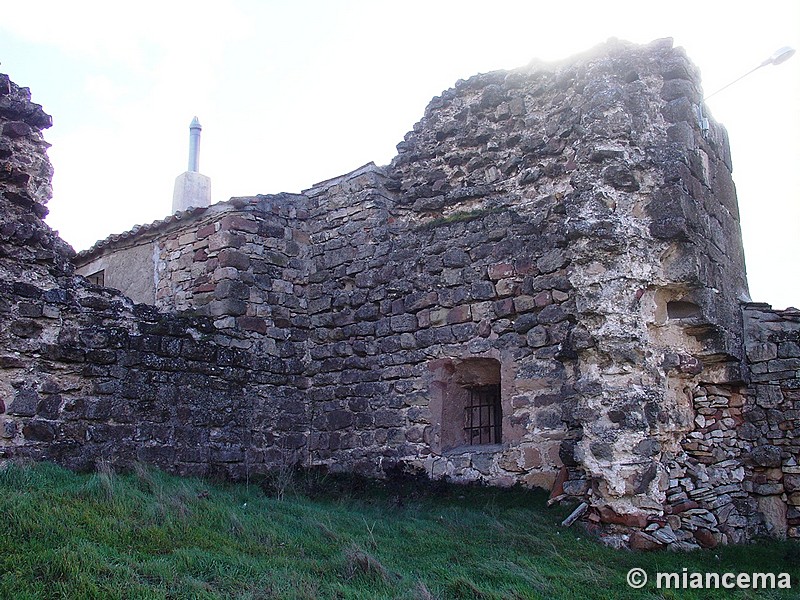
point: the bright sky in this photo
(294, 92)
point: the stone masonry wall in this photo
(86, 375)
(605, 166)
(435, 287)
(736, 474)
(577, 223)
(28, 251)
(772, 415)
(567, 232)
(238, 262)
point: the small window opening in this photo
(681, 309)
(97, 278)
(467, 402)
(483, 415)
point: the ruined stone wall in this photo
(772, 415)
(355, 421)
(400, 295)
(86, 375)
(242, 263)
(565, 233)
(574, 222)
(649, 276)
(28, 251)
(732, 479)
(98, 378)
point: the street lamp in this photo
(779, 56)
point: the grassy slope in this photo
(149, 535)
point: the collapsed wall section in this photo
(29, 251)
(659, 274)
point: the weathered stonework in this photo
(772, 416)
(562, 239)
(85, 374)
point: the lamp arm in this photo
(764, 64)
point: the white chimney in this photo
(192, 188)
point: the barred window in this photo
(466, 403)
(483, 415)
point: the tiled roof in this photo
(138, 230)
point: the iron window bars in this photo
(483, 415)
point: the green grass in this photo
(150, 535)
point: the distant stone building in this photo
(546, 286)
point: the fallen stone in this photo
(642, 541)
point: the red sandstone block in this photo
(459, 314)
(238, 223)
(233, 258)
(524, 304)
(532, 458)
(506, 287)
(424, 318)
(420, 301)
(206, 231)
(607, 515)
(500, 271)
(644, 542)
(301, 237)
(558, 485)
(525, 266)
(684, 505)
(225, 239)
(543, 298)
(485, 328)
(706, 538)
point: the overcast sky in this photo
(294, 92)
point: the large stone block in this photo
(233, 258)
